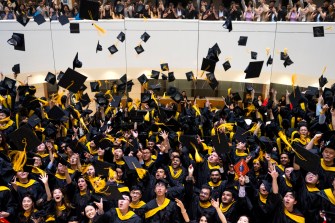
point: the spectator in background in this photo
(202, 12)
(8, 14)
(191, 12)
(31, 9)
(222, 13)
(42, 9)
(330, 17)
(180, 11)
(235, 12)
(147, 11)
(129, 10)
(248, 14)
(170, 12)
(67, 12)
(210, 14)
(272, 15)
(281, 16)
(293, 15)
(53, 14)
(107, 12)
(155, 14)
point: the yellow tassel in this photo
(18, 158)
(302, 105)
(292, 122)
(99, 28)
(293, 79)
(147, 117)
(141, 172)
(229, 91)
(279, 145)
(198, 158)
(164, 96)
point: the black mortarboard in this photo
(156, 87)
(95, 86)
(142, 79)
(155, 74)
(236, 96)
(253, 55)
(76, 62)
(283, 55)
(60, 75)
(102, 142)
(9, 83)
(177, 97)
(114, 193)
(254, 69)
(171, 91)
(305, 159)
(121, 37)
(287, 61)
(213, 83)
(16, 69)
(220, 143)
(189, 76)
(17, 40)
(311, 91)
(119, 9)
(138, 115)
(34, 120)
(89, 10)
(22, 19)
(132, 162)
(243, 41)
(72, 80)
(63, 19)
(226, 65)
(145, 97)
(322, 81)
(23, 138)
(122, 87)
(208, 65)
(164, 77)
(55, 113)
(190, 142)
(74, 28)
(228, 24)
(295, 97)
(269, 61)
(265, 143)
(112, 49)
(123, 79)
(39, 19)
(171, 77)
(318, 31)
(115, 102)
(98, 48)
(249, 88)
(139, 49)
(50, 78)
(145, 36)
(85, 100)
(165, 67)
(102, 168)
(241, 135)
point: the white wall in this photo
(181, 43)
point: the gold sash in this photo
(262, 198)
(294, 217)
(147, 164)
(213, 167)
(61, 208)
(152, 212)
(288, 183)
(30, 182)
(206, 204)
(237, 153)
(124, 217)
(225, 209)
(61, 177)
(312, 189)
(327, 168)
(120, 162)
(138, 205)
(330, 195)
(175, 175)
(210, 183)
(2, 188)
(123, 189)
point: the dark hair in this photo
(208, 188)
(293, 194)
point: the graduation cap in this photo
(39, 19)
(155, 87)
(171, 91)
(164, 77)
(189, 76)
(249, 88)
(241, 167)
(115, 101)
(16, 69)
(226, 65)
(220, 143)
(55, 113)
(165, 67)
(145, 36)
(132, 162)
(155, 74)
(295, 97)
(122, 87)
(50, 78)
(177, 97)
(72, 80)
(213, 83)
(112, 49)
(121, 37)
(9, 83)
(89, 10)
(23, 138)
(139, 49)
(269, 61)
(139, 8)
(76, 62)
(241, 135)
(123, 79)
(60, 75)
(145, 97)
(208, 65)
(17, 40)
(119, 8)
(265, 143)
(34, 120)
(236, 96)
(102, 168)
(287, 61)
(228, 24)
(98, 48)
(254, 69)
(283, 55)
(22, 19)
(74, 28)
(142, 79)
(322, 81)
(85, 100)
(95, 86)
(253, 55)
(171, 77)
(318, 31)
(191, 143)
(63, 19)
(243, 41)
(305, 159)
(311, 91)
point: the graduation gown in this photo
(326, 175)
(139, 208)
(328, 205)
(217, 189)
(33, 187)
(281, 215)
(7, 203)
(167, 212)
(114, 216)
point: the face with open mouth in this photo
(90, 211)
(27, 204)
(57, 195)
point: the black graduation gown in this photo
(236, 210)
(169, 214)
(139, 210)
(326, 175)
(327, 206)
(217, 190)
(34, 188)
(112, 217)
(7, 203)
(279, 213)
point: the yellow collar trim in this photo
(152, 212)
(330, 195)
(124, 217)
(312, 189)
(206, 204)
(61, 208)
(281, 167)
(59, 176)
(2, 188)
(225, 209)
(9, 123)
(327, 168)
(123, 189)
(294, 217)
(262, 198)
(120, 162)
(213, 167)
(175, 175)
(138, 205)
(288, 183)
(30, 182)
(237, 153)
(148, 163)
(210, 183)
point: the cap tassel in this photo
(19, 158)
(147, 117)
(198, 158)
(99, 28)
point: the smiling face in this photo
(205, 194)
(90, 212)
(175, 162)
(22, 175)
(135, 195)
(215, 176)
(57, 195)
(284, 159)
(27, 204)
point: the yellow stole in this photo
(288, 183)
(210, 183)
(82, 193)
(237, 153)
(262, 198)
(206, 204)
(120, 162)
(225, 209)
(327, 168)
(175, 175)
(124, 217)
(148, 163)
(312, 189)
(281, 167)
(30, 182)
(9, 123)
(138, 205)
(2, 188)
(330, 195)
(294, 217)
(50, 218)
(213, 167)
(152, 212)
(61, 208)
(123, 189)
(62, 177)
(43, 155)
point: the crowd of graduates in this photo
(138, 160)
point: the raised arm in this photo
(44, 179)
